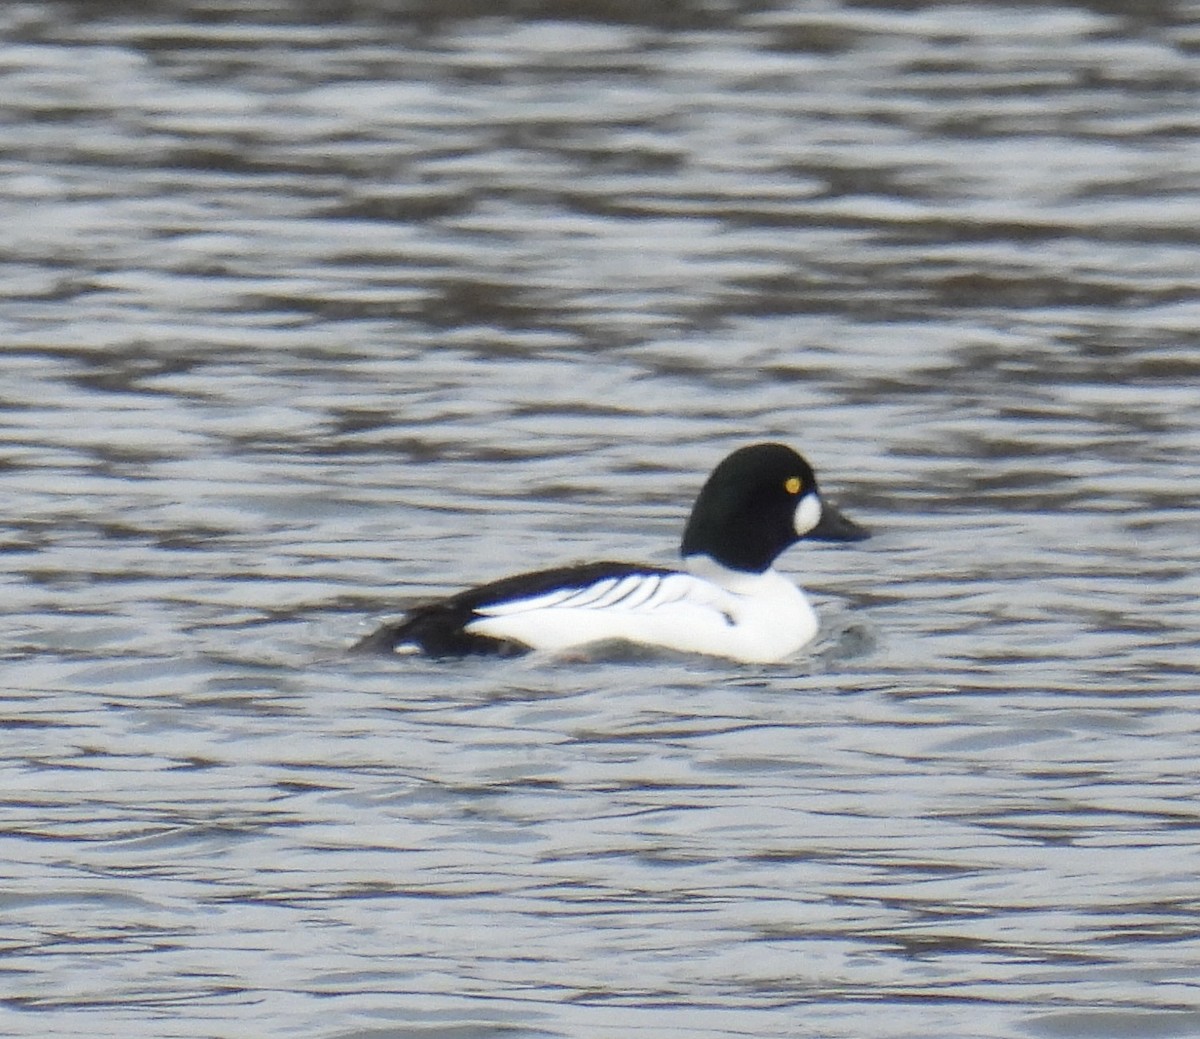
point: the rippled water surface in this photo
(309, 310)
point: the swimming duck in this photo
(728, 600)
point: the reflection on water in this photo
(307, 314)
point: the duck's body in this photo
(729, 601)
(755, 617)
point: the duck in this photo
(726, 601)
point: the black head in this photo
(756, 503)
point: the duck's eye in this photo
(792, 485)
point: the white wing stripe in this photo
(632, 592)
(594, 594)
(547, 600)
(617, 595)
(642, 591)
(537, 602)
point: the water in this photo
(304, 317)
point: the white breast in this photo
(747, 617)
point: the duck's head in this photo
(756, 503)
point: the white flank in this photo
(755, 618)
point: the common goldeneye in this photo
(729, 601)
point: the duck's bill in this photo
(833, 526)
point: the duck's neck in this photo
(708, 569)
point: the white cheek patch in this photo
(807, 515)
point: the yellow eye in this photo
(792, 485)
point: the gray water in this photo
(305, 315)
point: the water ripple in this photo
(307, 318)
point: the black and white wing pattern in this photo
(518, 606)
